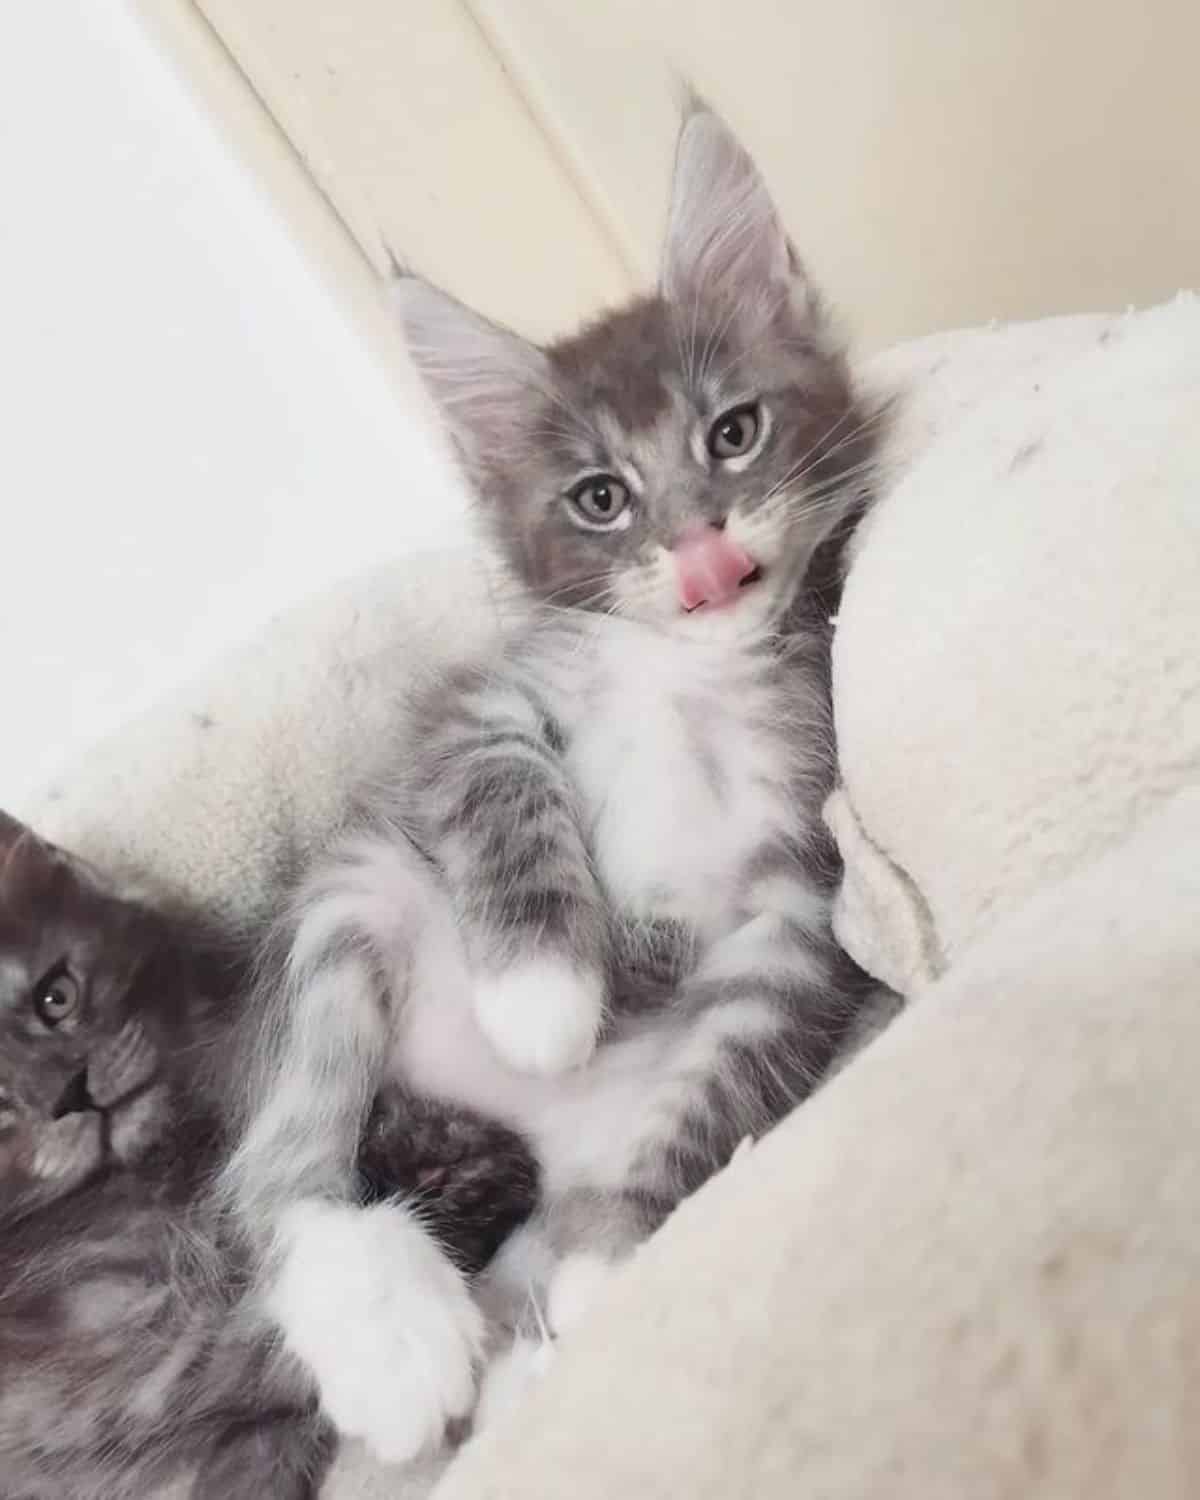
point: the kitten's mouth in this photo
(755, 575)
(75, 1099)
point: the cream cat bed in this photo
(968, 1266)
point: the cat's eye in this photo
(56, 997)
(598, 502)
(735, 431)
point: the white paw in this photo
(574, 1287)
(541, 1016)
(382, 1319)
(509, 1376)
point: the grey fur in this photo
(130, 1352)
(128, 1356)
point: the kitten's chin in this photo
(753, 613)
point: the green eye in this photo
(735, 431)
(56, 997)
(598, 502)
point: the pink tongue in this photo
(710, 567)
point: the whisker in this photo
(818, 453)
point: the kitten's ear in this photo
(20, 848)
(12, 832)
(480, 375)
(726, 243)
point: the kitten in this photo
(608, 833)
(129, 1352)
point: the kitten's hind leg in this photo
(364, 1297)
(747, 1036)
(374, 1307)
(542, 1285)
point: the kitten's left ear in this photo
(480, 375)
(12, 833)
(20, 849)
(726, 244)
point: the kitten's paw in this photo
(509, 1376)
(382, 1319)
(542, 1016)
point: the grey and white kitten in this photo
(130, 1355)
(596, 902)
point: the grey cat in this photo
(130, 1354)
(596, 902)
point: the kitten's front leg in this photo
(504, 819)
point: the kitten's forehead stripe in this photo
(618, 364)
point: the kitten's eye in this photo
(735, 431)
(56, 998)
(599, 501)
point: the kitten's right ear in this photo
(18, 845)
(726, 246)
(481, 376)
(12, 831)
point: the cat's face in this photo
(679, 461)
(80, 1040)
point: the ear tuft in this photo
(725, 239)
(481, 376)
(19, 846)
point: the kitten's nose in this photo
(709, 567)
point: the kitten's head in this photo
(84, 1016)
(679, 461)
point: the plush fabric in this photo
(1017, 662)
(231, 784)
(964, 1269)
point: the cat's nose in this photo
(710, 567)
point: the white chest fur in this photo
(681, 776)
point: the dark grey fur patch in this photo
(621, 364)
(474, 1180)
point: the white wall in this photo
(192, 435)
(939, 162)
